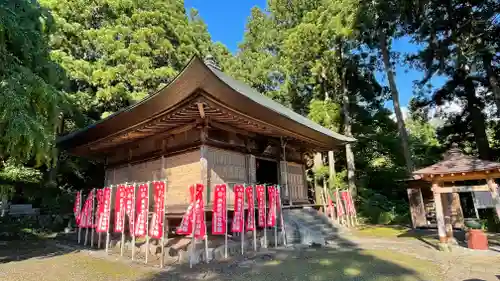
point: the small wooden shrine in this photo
(205, 127)
(441, 184)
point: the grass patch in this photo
(382, 231)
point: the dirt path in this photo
(459, 264)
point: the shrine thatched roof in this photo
(456, 162)
(225, 99)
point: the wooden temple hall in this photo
(205, 127)
(443, 195)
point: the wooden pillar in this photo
(318, 162)
(494, 194)
(446, 202)
(439, 213)
(204, 179)
(252, 170)
(417, 209)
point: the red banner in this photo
(104, 211)
(130, 206)
(77, 207)
(199, 212)
(250, 223)
(271, 216)
(142, 209)
(331, 208)
(349, 208)
(186, 227)
(261, 204)
(238, 224)
(86, 214)
(156, 229)
(340, 209)
(99, 206)
(219, 220)
(120, 197)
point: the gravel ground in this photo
(376, 259)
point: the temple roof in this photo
(455, 162)
(225, 100)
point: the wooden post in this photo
(446, 202)
(285, 173)
(252, 180)
(439, 213)
(494, 195)
(318, 162)
(93, 219)
(331, 166)
(282, 218)
(204, 181)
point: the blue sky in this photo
(226, 21)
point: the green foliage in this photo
(30, 83)
(116, 52)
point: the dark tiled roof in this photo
(456, 162)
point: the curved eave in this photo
(233, 94)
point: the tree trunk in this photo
(495, 87)
(478, 122)
(351, 167)
(403, 134)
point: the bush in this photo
(378, 209)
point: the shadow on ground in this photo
(33, 247)
(307, 264)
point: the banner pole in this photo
(254, 226)
(80, 215)
(97, 218)
(165, 222)
(93, 219)
(164, 214)
(123, 208)
(86, 228)
(275, 211)
(147, 224)
(206, 233)
(109, 216)
(242, 216)
(132, 231)
(265, 216)
(193, 231)
(225, 221)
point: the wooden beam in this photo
(201, 109)
(470, 188)
(481, 175)
(232, 129)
